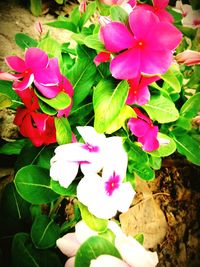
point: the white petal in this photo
(134, 253)
(70, 262)
(68, 244)
(115, 228)
(83, 232)
(123, 196)
(64, 172)
(91, 136)
(107, 261)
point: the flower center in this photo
(90, 148)
(112, 184)
(140, 44)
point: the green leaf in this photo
(33, 184)
(118, 14)
(5, 101)
(63, 131)
(140, 238)
(6, 89)
(94, 42)
(135, 152)
(91, 7)
(51, 47)
(36, 7)
(108, 102)
(60, 2)
(46, 108)
(191, 107)
(24, 41)
(143, 170)
(45, 156)
(126, 113)
(161, 109)
(13, 148)
(70, 191)
(44, 232)
(170, 77)
(187, 146)
(81, 115)
(13, 205)
(24, 254)
(92, 248)
(166, 148)
(155, 162)
(96, 224)
(82, 77)
(63, 24)
(61, 101)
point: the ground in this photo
(166, 210)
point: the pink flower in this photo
(158, 9)
(32, 68)
(143, 128)
(113, 2)
(101, 57)
(63, 85)
(38, 127)
(142, 47)
(83, 6)
(138, 91)
(188, 57)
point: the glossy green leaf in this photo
(118, 14)
(46, 108)
(44, 157)
(24, 41)
(191, 107)
(126, 113)
(94, 42)
(170, 77)
(6, 89)
(143, 170)
(33, 185)
(51, 47)
(5, 101)
(61, 101)
(13, 148)
(81, 115)
(36, 7)
(96, 224)
(91, 7)
(161, 109)
(92, 248)
(63, 131)
(155, 162)
(187, 146)
(135, 152)
(44, 232)
(24, 254)
(140, 238)
(70, 191)
(108, 102)
(63, 24)
(166, 148)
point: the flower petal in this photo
(101, 57)
(36, 58)
(83, 232)
(70, 262)
(126, 65)
(107, 261)
(150, 141)
(68, 244)
(25, 83)
(138, 127)
(15, 63)
(116, 37)
(9, 77)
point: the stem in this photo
(55, 207)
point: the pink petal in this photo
(67, 87)
(46, 77)
(70, 262)
(15, 63)
(150, 141)
(138, 127)
(25, 83)
(161, 3)
(126, 65)
(164, 16)
(101, 57)
(146, 80)
(9, 77)
(47, 91)
(165, 35)
(49, 136)
(68, 244)
(141, 22)
(142, 116)
(65, 111)
(116, 37)
(35, 58)
(151, 62)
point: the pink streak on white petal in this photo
(112, 184)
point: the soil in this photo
(172, 199)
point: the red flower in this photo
(38, 127)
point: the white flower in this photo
(106, 195)
(108, 261)
(89, 155)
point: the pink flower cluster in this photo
(140, 52)
(41, 74)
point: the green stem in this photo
(55, 207)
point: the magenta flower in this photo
(143, 128)
(32, 68)
(138, 91)
(38, 127)
(101, 57)
(146, 48)
(158, 9)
